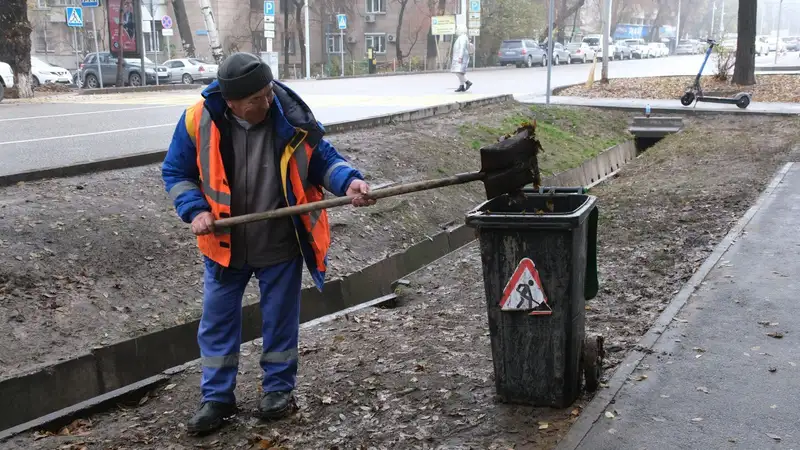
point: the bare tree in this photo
(15, 43)
(662, 13)
(184, 29)
(744, 70)
(398, 32)
(564, 11)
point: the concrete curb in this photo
(398, 74)
(597, 406)
(777, 68)
(49, 394)
(133, 89)
(670, 110)
(157, 156)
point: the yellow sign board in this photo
(443, 25)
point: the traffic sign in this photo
(167, 32)
(90, 3)
(74, 17)
(166, 21)
(474, 6)
(269, 19)
(341, 19)
(269, 26)
(269, 8)
(269, 34)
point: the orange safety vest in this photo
(314, 236)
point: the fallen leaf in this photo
(697, 356)
(732, 440)
(792, 364)
(144, 400)
(544, 425)
(774, 436)
(641, 377)
(699, 349)
(612, 431)
(775, 334)
(327, 400)
(697, 419)
(763, 322)
(756, 348)
(609, 415)
(664, 396)
(774, 406)
(680, 320)
(659, 419)
(773, 369)
(576, 412)
(702, 389)
(170, 387)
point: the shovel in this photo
(506, 167)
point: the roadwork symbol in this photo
(524, 291)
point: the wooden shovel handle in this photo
(341, 201)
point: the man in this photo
(461, 51)
(253, 145)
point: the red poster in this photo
(128, 36)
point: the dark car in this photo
(521, 52)
(131, 71)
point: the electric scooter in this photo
(695, 93)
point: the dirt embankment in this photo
(420, 376)
(768, 88)
(92, 260)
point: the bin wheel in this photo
(592, 361)
(687, 99)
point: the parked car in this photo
(792, 43)
(623, 51)
(729, 44)
(560, 54)
(762, 46)
(596, 42)
(638, 48)
(658, 49)
(6, 79)
(190, 70)
(580, 51)
(131, 75)
(521, 52)
(687, 47)
(44, 73)
(775, 45)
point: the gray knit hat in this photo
(243, 74)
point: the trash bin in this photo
(539, 255)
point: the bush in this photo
(725, 60)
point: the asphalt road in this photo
(83, 128)
(716, 378)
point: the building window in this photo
(376, 6)
(43, 41)
(376, 41)
(333, 43)
(290, 42)
(41, 4)
(61, 2)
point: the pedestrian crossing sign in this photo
(74, 17)
(341, 19)
(524, 291)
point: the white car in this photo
(190, 70)
(44, 73)
(657, 50)
(595, 41)
(6, 79)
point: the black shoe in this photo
(469, 85)
(210, 416)
(461, 89)
(276, 405)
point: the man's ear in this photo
(228, 102)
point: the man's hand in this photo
(357, 189)
(203, 223)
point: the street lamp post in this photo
(778, 34)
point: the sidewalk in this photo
(661, 105)
(719, 377)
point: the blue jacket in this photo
(327, 167)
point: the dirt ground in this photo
(419, 376)
(96, 259)
(768, 88)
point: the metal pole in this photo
(722, 21)
(778, 34)
(77, 55)
(475, 53)
(341, 47)
(678, 27)
(137, 14)
(308, 43)
(96, 50)
(550, 47)
(154, 38)
(713, 17)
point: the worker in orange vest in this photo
(253, 145)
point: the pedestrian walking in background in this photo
(253, 145)
(461, 53)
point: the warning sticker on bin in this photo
(524, 291)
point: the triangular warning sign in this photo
(524, 291)
(75, 18)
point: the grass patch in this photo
(569, 135)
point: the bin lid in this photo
(532, 209)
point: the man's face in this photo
(254, 108)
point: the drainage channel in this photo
(89, 382)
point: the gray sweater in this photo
(256, 188)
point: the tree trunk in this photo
(301, 37)
(560, 19)
(187, 41)
(397, 46)
(15, 43)
(654, 31)
(286, 39)
(120, 82)
(744, 70)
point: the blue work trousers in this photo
(220, 332)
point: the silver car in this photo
(580, 52)
(191, 70)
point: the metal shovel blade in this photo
(512, 163)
